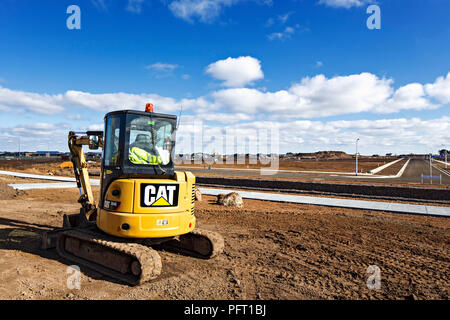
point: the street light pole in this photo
(356, 169)
(431, 171)
(445, 150)
(445, 158)
(445, 154)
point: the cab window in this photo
(150, 141)
(112, 141)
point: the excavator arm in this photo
(94, 139)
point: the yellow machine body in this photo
(141, 197)
(167, 211)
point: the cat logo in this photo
(159, 195)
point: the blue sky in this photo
(310, 69)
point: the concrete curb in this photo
(341, 203)
(372, 190)
(400, 173)
(376, 170)
(41, 177)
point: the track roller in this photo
(132, 263)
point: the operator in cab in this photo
(142, 151)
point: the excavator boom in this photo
(93, 139)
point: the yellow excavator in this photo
(144, 203)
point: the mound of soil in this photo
(8, 193)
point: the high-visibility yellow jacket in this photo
(140, 156)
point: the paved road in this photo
(415, 168)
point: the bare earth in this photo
(344, 166)
(272, 251)
(393, 169)
(52, 168)
(335, 165)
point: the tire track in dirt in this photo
(338, 263)
(392, 262)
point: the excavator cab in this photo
(141, 194)
(139, 142)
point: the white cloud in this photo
(341, 94)
(236, 72)
(204, 10)
(312, 97)
(73, 116)
(440, 89)
(253, 101)
(160, 69)
(40, 129)
(409, 97)
(34, 102)
(322, 97)
(283, 18)
(344, 3)
(117, 101)
(36, 130)
(164, 67)
(135, 6)
(16, 101)
(33, 137)
(402, 135)
(286, 34)
(224, 118)
(319, 64)
(96, 127)
(399, 136)
(270, 22)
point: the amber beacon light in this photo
(149, 107)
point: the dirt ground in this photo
(345, 166)
(272, 251)
(393, 169)
(442, 166)
(45, 167)
(52, 168)
(372, 182)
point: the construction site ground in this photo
(336, 165)
(411, 177)
(272, 251)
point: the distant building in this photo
(48, 154)
(93, 156)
